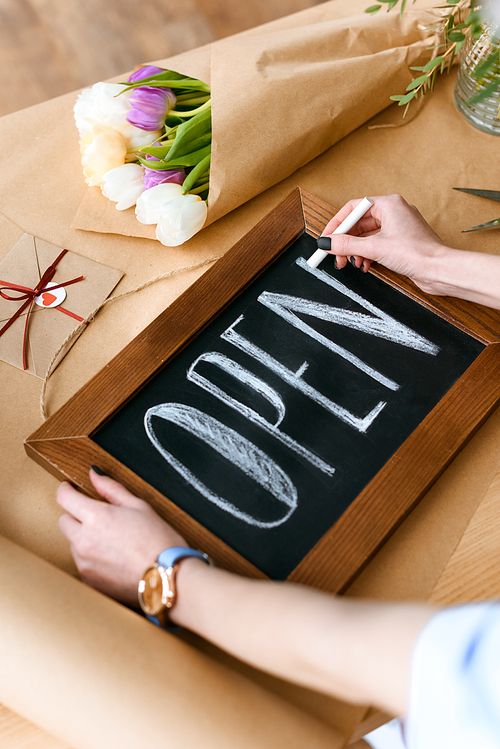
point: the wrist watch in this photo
(157, 590)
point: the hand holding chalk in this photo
(344, 227)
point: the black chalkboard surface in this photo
(270, 423)
(285, 419)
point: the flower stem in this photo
(193, 98)
(192, 112)
(198, 190)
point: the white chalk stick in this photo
(344, 227)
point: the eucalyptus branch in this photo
(454, 32)
(429, 71)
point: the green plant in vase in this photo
(470, 30)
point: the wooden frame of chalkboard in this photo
(67, 444)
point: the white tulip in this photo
(123, 185)
(136, 138)
(102, 149)
(180, 219)
(108, 104)
(149, 203)
(103, 103)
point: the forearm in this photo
(356, 650)
(473, 276)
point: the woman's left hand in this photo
(113, 542)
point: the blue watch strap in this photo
(170, 556)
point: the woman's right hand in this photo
(394, 234)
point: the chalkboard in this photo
(284, 408)
(272, 421)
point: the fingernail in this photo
(97, 470)
(324, 243)
(352, 260)
(335, 262)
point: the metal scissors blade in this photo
(495, 222)
(491, 194)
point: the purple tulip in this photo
(150, 107)
(149, 104)
(145, 72)
(153, 177)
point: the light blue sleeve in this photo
(455, 680)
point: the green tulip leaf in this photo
(195, 173)
(189, 159)
(156, 165)
(198, 127)
(189, 145)
(159, 151)
(172, 121)
(200, 190)
(188, 84)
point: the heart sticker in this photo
(51, 298)
(48, 298)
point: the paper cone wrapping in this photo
(283, 96)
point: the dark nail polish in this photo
(97, 470)
(352, 260)
(335, 262)
(324, 243)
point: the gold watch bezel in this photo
(168, 591)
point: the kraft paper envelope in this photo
(48, 328)
(283, 96)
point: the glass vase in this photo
(485, 114)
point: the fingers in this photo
(84, 508)
(363, 243)
(342, 260)
(354, 250)
(347, 248)
(113, 491)
(360, 263)
(343, 246)
(74, 502)
(70, 527)
(335, 222)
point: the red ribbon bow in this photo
(25, 293)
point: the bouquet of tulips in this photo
(147, 142)
(159, 125)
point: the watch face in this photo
(152, 591)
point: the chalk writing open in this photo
(242, 453)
